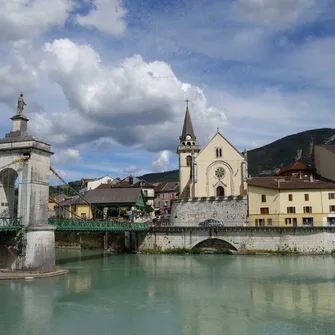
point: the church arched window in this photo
(189, 160)
(220, 191)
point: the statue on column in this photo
(20, 104)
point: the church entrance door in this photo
(220, 191)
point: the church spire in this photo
(188, 132)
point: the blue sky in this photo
(105, 80)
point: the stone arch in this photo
(215, 243)
(8, 195)
(220, 162)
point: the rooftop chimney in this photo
(131, 180)
(311, 179)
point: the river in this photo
(174, 295)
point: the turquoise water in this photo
(172, 295)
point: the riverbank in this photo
(184, 251)
(198, 251)
(29, 275)
(203, 251)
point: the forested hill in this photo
(288, 149)
(172, 175)
(265, 160)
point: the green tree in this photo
(148, 209)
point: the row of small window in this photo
(307, 222)
(163, 204)
(3, 204)
(331, 196)
(291, 210)
(166, 195)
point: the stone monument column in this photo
(32, 156)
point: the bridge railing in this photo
(10, 223)
(96, 225)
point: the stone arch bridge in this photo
(314, 240)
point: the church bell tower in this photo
(187, 151)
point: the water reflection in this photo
(149, 294)
(27, 306)
(247, 295)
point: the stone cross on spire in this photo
(187, 101)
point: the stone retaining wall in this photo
(231, 210)
(315, 240)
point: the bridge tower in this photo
(25, 163)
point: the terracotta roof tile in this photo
(295, 166)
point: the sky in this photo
(105, 81)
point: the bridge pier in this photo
(26, 160)
(40, 249)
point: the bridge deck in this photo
(250, 229)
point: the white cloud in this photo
(131, 169)
(314, 61)
(53, 177)
(264, 115)
(67, 156)
(16, 75)
(108, 16)
(140, 103)
(25, 19)
(121, 102)
(273, 11)
(161, 161)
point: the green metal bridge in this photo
(97, 225)
(15, 224)
(10, 224)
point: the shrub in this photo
(148, 209)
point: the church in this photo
(217, 170)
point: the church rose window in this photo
(220, 172)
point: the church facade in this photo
(217, 170)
